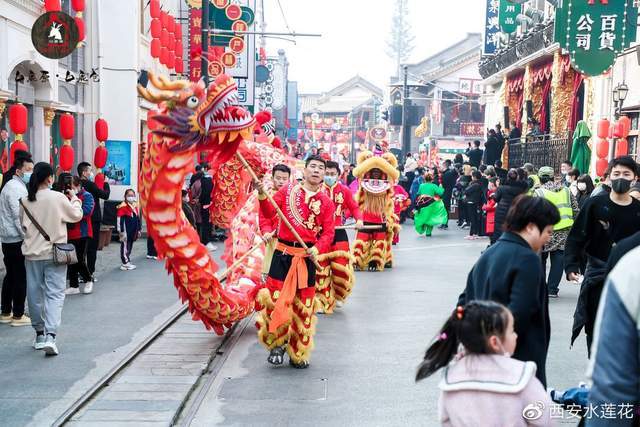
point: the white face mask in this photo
(131, 199)
(582, 186)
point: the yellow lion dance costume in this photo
(377, 176)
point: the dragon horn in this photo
(163, 83)
(155, 98)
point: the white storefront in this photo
(116, 48)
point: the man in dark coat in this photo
(86, 178)
(493, 148)
(474, 154)
(500, 172)
(510, 272)
(449, 179)
(515, 133)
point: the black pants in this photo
(446, 199)
(81, 268)
(92, 247)
(205, 228)
(474, 216)
(14, 285)
(151, 247)
(556, 272)
(462, 214)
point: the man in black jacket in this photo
(86, 177)
(510, 272)
(500, 172)
(449, 179)
(493, 147)
(8, 175)
(474, 154)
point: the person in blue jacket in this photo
(129, 227)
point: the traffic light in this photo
(385, 115)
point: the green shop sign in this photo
(594, 32)
(509, 11)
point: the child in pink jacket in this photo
(483, 385)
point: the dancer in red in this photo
(287, 320)
(401, 202)
(335, 281)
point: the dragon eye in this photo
(192, 102)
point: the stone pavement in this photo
(366, 354)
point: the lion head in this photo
(377, 174)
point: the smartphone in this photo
(67, 181)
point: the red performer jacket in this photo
(306, 213)
(344, 202)
(268, 224)
(401, 199)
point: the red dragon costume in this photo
(335, 281)
(377, 176)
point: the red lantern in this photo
(156, 28)
(99, 180)
(67, 126)
(177, 47)
(171, 60)
(102, 130)
(177, 31)
(164, 17)
(622, 147)
(52, 5)
(602, 148)
(80, 24)
(171, 24)
(156, 48)
(18, 119)
(625, 126)
(66, 157)
(100, 156)
(179, 66)
(164, 56)
(164, 38)
(601, 166)
(77, 5)
(18, 145)
(154, 8)
(603, 128)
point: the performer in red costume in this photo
(335, 281)
(401, 202)
(287, 321)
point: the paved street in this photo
(362, 369)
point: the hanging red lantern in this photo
(154, 8)
(78, 5)
(625, 126)
(156, 48)
(156, 28)
(602, 148)
(603, 128)
(164, 17)
(601, 166)
(67, 126)
(171, 60)
(622, 147)
(66, 157)
(52, 5)
(177, 30)
(18, 115)
(179, 66)
(164, 38)
(102, 130)
(177, 47)
(81, 30)
(100, 156)
(171, 24)
(164, 56)
(99, 180)
(18, 145)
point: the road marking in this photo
(452, 245)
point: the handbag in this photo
(63, 253)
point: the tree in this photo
(400, 42)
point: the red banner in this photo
(471, 129)
(195, 44)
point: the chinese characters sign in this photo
(509, 11)
(195, 44)
(491, 27)
(594, 32)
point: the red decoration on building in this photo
(601, 166)
(81, 29)
(164, 38)
(195, 44)
(66, 157)
(179, 66)
(602, 148)
(154, 8)
(156, 48)
(164, 56)
(624, 124)
(156, 28)
(603, 128)
(18, 115)
(102, 130)
(100, 156)
(164, 17)
(78, 5)
(52, 5)
(171, 60)
(99, 180)
(67, 126)
(622, 147)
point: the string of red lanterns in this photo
(67, 131)
(78, 6)
(18, 115)
(611, 131)
(52, 6)
(166, 38)
(101, 154)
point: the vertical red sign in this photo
(195, 44)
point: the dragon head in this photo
(192, 116)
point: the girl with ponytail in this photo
(481, 384)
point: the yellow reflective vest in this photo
(562, 201)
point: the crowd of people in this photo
(535, 218)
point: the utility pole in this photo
(406, 127)
(205, 42)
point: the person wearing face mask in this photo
(603, 221)
(335, 282)
(79, 235)
(585, 187)
(14, 285)
(87, 180)
(129, 228)
(6, 178)
(565, 168)
(510, 272)
(46, 281)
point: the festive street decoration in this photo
(67, 131)
(18, 116)
(52, 5)
(602, 146)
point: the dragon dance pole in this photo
(354, 227)
(284, 219)
(240, 260)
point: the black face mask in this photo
(621, 185)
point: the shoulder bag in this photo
(63, 253)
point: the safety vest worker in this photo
(561, 199)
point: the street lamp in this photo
(623, 91)
(620, 93)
